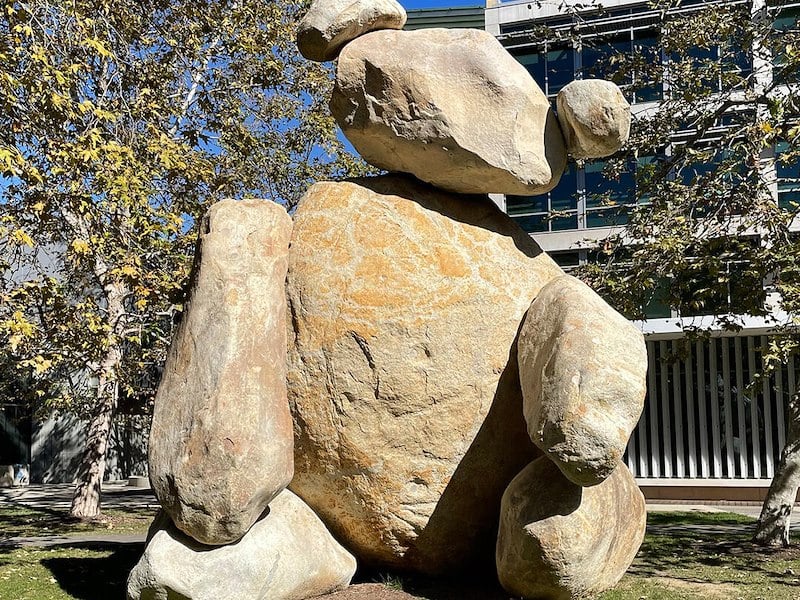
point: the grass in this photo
(84, 571)
(679, 560)
(79, 569)
(22, 521)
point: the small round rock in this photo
(594, 116)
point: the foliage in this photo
(707, 231)
(120, 122)
(714, 228)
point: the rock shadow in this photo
(476, 489)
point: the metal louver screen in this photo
(699, 419)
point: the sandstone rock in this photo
(330, 24)
(561, 541)
(451, 107)
(221, 438)
(405, 303)
(594, 116)
(286, 555)
(582, 367)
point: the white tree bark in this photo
(86, 499)
(772, 528)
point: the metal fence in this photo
(701, 421)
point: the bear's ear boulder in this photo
(594, 116)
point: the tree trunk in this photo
(86, 499)
(772, 528)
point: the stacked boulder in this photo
(440, 394)
(221, 449)
(435, 352)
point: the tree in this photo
(120, 122)
(707, 236)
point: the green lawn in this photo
(88, 573)
(81, 570)
(678, 561)
(18, 520)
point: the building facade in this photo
(702, 435)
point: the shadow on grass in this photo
(25, 521)
(21, 520)
(95, 578)
(465, 587)
(696, 547)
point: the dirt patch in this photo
(431, 590)
(370, 591)
(707, 590)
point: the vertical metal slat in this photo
(716, 462)
(701, 406)
(677, 399)
(780, 409)
(769, 450)
(755, 429)
(726, 394)
(666, 421)
(655, 470)
(692, 449)
(740, 397)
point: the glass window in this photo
(564, 223)
(536, 64)
(607, 217)
(565, 195)
(518, 205)
(658, 306)
(787, 171)
(647, 80)
(560, 69)
(599, 59)
(533, 223)
(566, 260)
(561, 199)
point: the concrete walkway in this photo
(58, 496)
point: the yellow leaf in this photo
(22, 238)
(80, 246)
(41, 364)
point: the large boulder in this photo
(330, 24)
(594, 116)
(221, 439)
(561, 541)
(451, 107)
(583, 368)
(405, 303)
(286, 555)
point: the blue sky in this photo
(411, 4)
